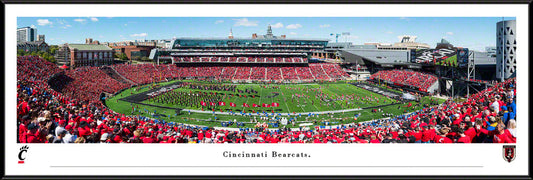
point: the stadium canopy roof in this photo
(277, 39)
(382, 56)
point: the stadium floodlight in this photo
(336, 37)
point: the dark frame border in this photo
(2, 135)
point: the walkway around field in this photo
(255, 114)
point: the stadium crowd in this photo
(47, 116)
(148, 73)
(414, 79)
(249, 59)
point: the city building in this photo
(90, 55)
(63, 55)
(40, 37)
(164, 44)
(444, 44)
(90, 41)
(407, 42)
(491, 50)
(506, 49)
(268, 35)
(30, 46)
(133, 50)
(26, 34)
(230, 36)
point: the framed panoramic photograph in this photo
(266, 90)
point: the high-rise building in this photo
(506, 49)
(40, 37)
(26, 34)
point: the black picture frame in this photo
(2, 135)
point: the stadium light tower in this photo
(345, 34)
(336, 37)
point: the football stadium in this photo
(268, 89)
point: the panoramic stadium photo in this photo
(265, 80)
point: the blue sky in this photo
(471, 32)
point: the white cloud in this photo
(404, 18)
(43, 22)
(219, 21)
(125, 24)
(93, 19)
(66, 26)
(293, 33)
(277, 25)
(80, 20)
(32, 26)
(449, 33)
(324, 25)
(61, 21)
(245, 22)
(294, 26)
(139, 35)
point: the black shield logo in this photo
(509, 152)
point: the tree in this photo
(123, 56)
(20, 52)
(52, 49)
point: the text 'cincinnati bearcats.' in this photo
(265, 154)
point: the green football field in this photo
(295, 101)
